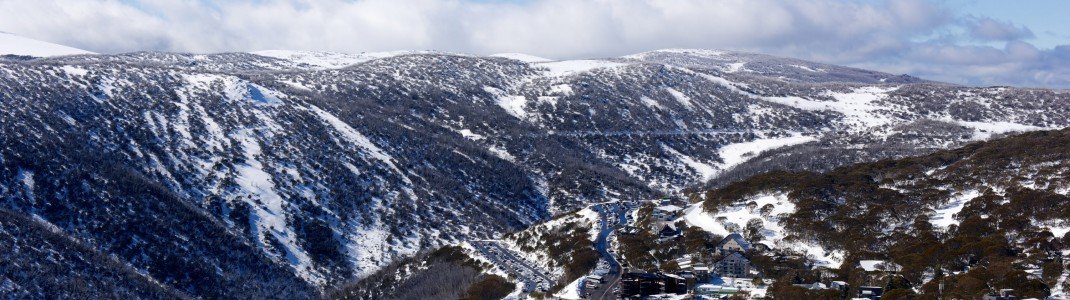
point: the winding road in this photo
(607, 212)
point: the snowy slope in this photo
(528, 58)
(322, 167)
(734, 219)
(321, 60)
(12, 44)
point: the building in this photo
(1004, 294)
(826, 273)
(667, 212)
(715, 291)
(668, 230)
(732, 243)
(719, 287)
(675, 284)
(812, 286)
(701, 271)
(733, 265)
(840, 286)
(684, 262)
(870, 292)
(591, 283)
(639, 285)
(879, 266)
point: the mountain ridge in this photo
(321, 175)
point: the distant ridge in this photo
(13, 44)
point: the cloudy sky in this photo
(976, 42)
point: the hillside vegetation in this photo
(987, 216)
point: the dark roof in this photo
(668, 229)
(739, 240)
(643, 275)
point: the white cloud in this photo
(988, 29)
(556, 28)
(882, 34)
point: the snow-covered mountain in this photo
(12, 44)
(284, 173)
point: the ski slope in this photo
(12, 44)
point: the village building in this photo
(1004, 294)
(715, 291)
(870, 292)
(839, 285)
(668, 229)
(701, 271)
(879, 266)
(667, 212)
(732, 243)
(641, 285)
(684, 262)
(733, 265)
(812, 286)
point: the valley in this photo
(318, 170)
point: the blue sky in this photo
(974, 42)
(1048, 19)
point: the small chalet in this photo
(812, 286)
(668, 230)
(667, 212)
(732, 243)
(879, 266)
(870, 292)
(701, 271)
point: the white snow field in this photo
(12, 44)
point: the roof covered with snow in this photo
(669, 208)
(739, 240)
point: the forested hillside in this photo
(287, 174)
(987, 216)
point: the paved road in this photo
(612, 215)
(534, 278)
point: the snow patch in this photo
(28, 183)
(355, 137)
(680, 97)
(857, 106)
(695, 52)
(706, 171)
(985, 130)
(944, 217)
(322, 60)
(572, 290)
(734, 218)
(808, 69)
(650, 102)
(734, 67)
(513, 104)
(501, 153)
(269, 215)
(561, 89)
(572, 67)
(75, 70)
(735, 154)
(468, 134)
